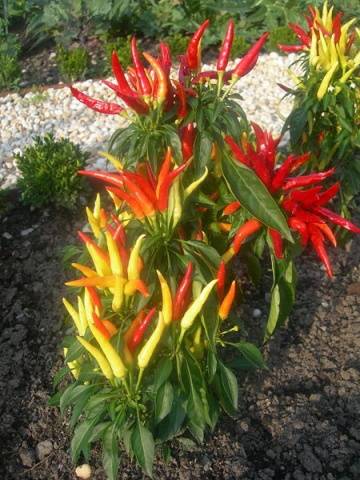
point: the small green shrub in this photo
(49, 172)
(122, 46)
(177, 43)
(72, 63)
(9, 71)
(240, 46)
(282, 35)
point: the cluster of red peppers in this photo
(302, 197)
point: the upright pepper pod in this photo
(166, 299)
(99, 357)
(148, 349)
(195, 308)
(182, 293)
(193, 52)
(224, 54)
(227, 302)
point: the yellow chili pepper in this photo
(133, 266)
(228, 255)
(118, 293)
(114, 255)
(166, 299)
(101, 265)
(106, 281)
(82, 317)
(74, 366)
(94, 224)
(88, 272)
(73, 314)
(112, 159)
(324, 85)
(175, 203)
(97, 207)
(110, 353)
(227, 302)
(117, 201)
(99, 357)
(197, 347)
(148, 349)
(313, 56)
(190, 188)
(195, 308)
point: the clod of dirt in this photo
(43, 449)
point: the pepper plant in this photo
(194, 185)
(326, 115)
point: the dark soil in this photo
(298, 420)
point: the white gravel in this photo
(23, 117)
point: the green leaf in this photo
(163, 372)
(110, 453)
(171, 425)
(81, 437)
(142, 444)
(60, 375)
(251, 353)
(54, 401)
(226, 387)
(164, 401)
(254, 196)
(74, 393)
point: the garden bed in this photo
(298, 420)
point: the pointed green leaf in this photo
(110, 453)
(142, 444)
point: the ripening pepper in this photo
(195, 308)
(99, 357)
(166, 299)
(148, 349)
(227, 302)
(183, 293)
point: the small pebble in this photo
(83, 471)
(7, 235)
(256, 313)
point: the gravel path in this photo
(35, 113)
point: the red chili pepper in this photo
(181, 299)
(135, 103)
(236, 150)
(277, 242)
(326, 230)
(162, 81)
(221, 278)
(305, 180)
(291, 48)
(301, 227)
(112, 178)
(317, 240)
(350, 41)
(181, 95)
(143, 184)
(165, 58)
(100, 252)
(300, 160)
(308, 217)
(227, 302)
(281, 173)
(336, 26)
(94, 297)
(300, 33)
(101, 327)
(144, 84)
(224, 54)
(97, 105)
(132, 202)
(337, 219)
(231, 208)
(188, 134)
(323, 30)
(141, 198)
(164, 170)
(140, 331)
(328, 195)
(306, 197)
(121, 235)
(120, 75)
(163, 197)
(184, 70)
(259, 165)
(246, 230)
(193, 52)
(250, 58)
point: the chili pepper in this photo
(100, 326)
(146, 205)
(88, 272)
(164, 170)
(224, 54)
(221, 278)
(211, 75)
(98, 255)
(326, 230)
(115, 259)
(164, 189)
(74, 315)
(132, 202)
(324, 85)
(190, 188)
(165, 57)
(197, 347)
(193, 52)
(336, 26)
(166, 299)
(337, 219)
(136, 285)
(140, 330)
(308, 217)
(148, 349)
(277, 243)
(144, 84)
(135, 103)
(133, 268)
(120, 76)
(306, 197)
(300, 160)
(114, 359)
(259, 166)
(96, 105)
(175, 203)
(93, 223)
(281, 173)
(118, 292)
(184, 70)
(246, 230)
(236, 150)
(95, 298)
(300, 33)
(224, 227)
(305, 180)
(112, 178)
(162, 86)
(142, 184)
(133, 326)
(99, 357)
(107, 281)
(182, 293)
(195, 308)
(180, 92)
(301, 228)
(317, 240)
(227, 302)
(188, 134)
(250, 58)
(328, 195)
